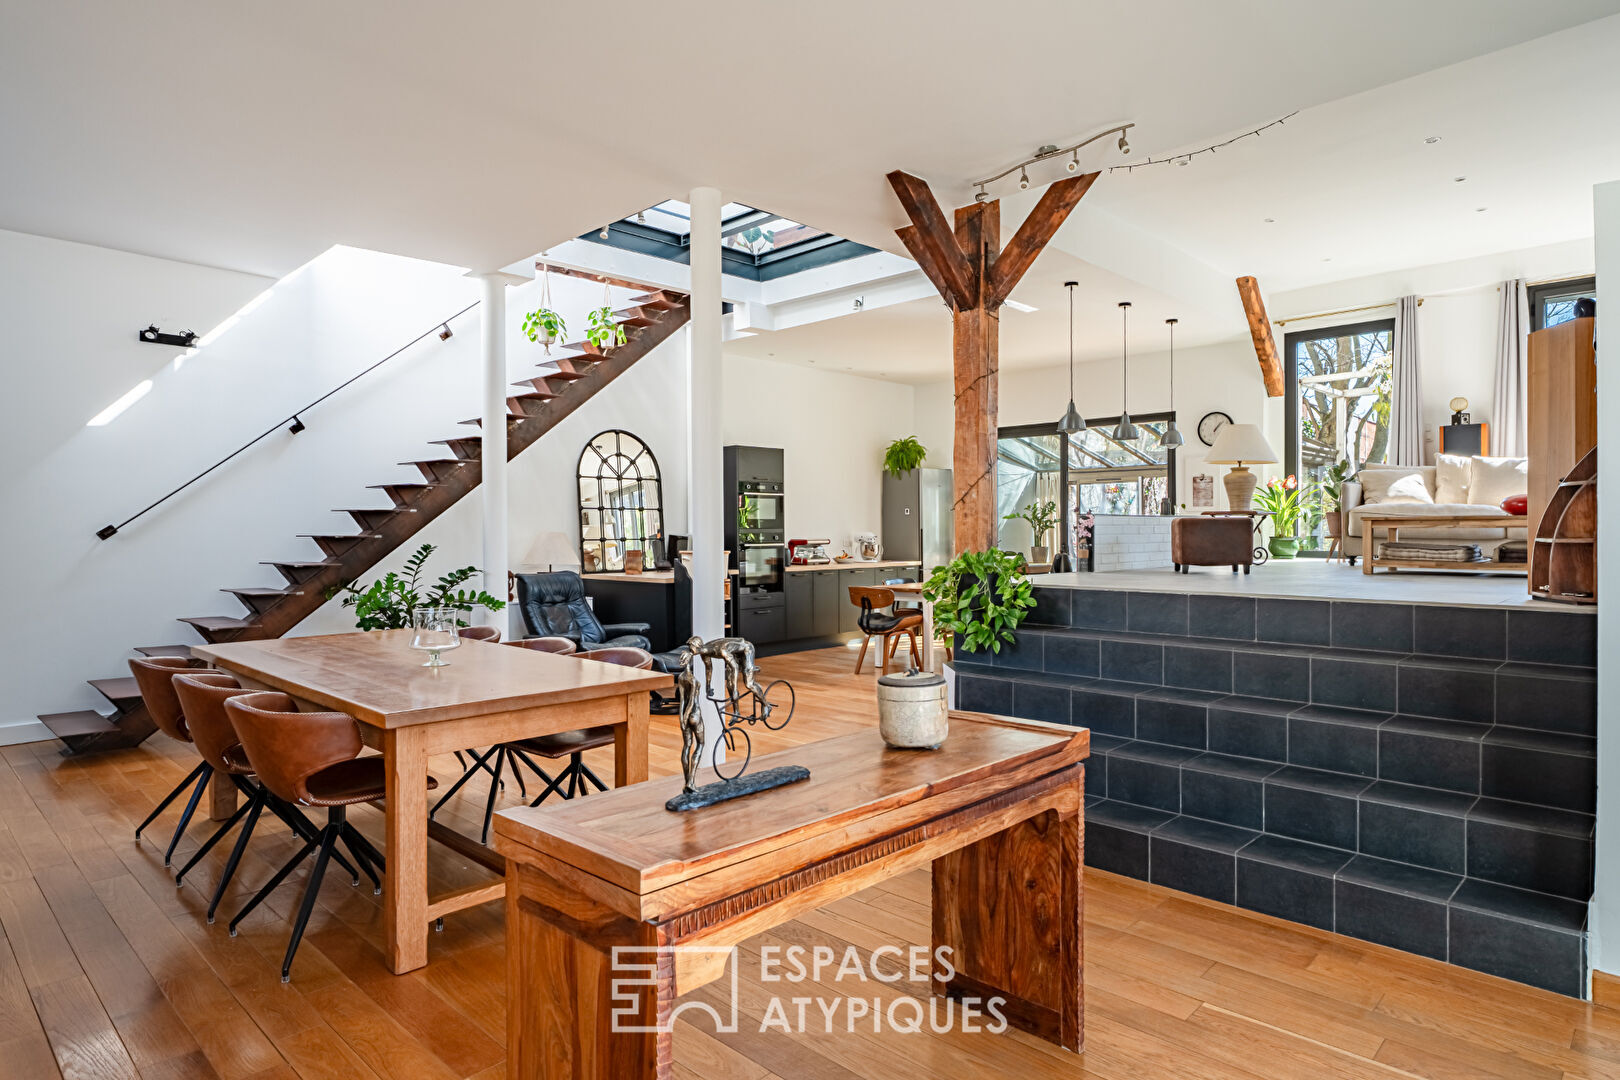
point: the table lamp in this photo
(1241, 445)
(549, 550)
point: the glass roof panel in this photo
(675, 217)
(772, 235)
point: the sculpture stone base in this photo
(746, 784)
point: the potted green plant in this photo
(544, 326)
(601, 330)
(1286, 501)
(980, 598)
(903, 455)
(1042, 518)
(1332, 495)
(390, 602)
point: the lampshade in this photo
(551, 549)
(1241, 444)
(1125, 431)
(1171, 437)
(1072, 421)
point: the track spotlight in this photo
(1124, 145)
(1023, 179)
(603, 235)
(1074, 163)
(982, 196)
(641, 217)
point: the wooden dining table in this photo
(915, 588)
(486, 694)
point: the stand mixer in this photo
(867, 548)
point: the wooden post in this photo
(975, 276)
(1265, 346)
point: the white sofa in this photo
(1396, 491)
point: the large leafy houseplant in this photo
(1040, 516)
(903, 455)
(390, 602)
(981, 597)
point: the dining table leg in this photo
(405, 895)
(630, 740)
(928, 636)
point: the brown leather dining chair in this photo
(154, 676)
(573, 744)
(560, 645)
(309, 759)
(884, 625)
(478, 633)
(202, 696)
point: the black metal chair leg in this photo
(573, 780)
(553, 784)
(350, 836)
(466, 776)
(592, 777)
(203, 776)
(208, 845)
(516, 755)
(235, 858)
(494, 788)
(270, 886)
(305, 829)
(170, 797)
(329, 837)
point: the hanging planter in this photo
(544, 326)
(600, 329)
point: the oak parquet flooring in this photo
(108, 971)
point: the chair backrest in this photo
(155, 676)
(869, 599)
(620, 655)
(559, 645)
(478, 633)
(202, 697)
(553, 604)
(286, 746)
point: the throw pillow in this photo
(1494, 479)
(1451, 474)
(1383, 486)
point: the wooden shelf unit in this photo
(1563, 556)
(1561, 417)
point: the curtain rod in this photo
(1341, 311)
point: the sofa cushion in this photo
(1451, 475)
(1494, 479)
(1396, 484)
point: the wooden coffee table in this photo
(1369, 561)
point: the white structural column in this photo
(492, 349)
(705, 500)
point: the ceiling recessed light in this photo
(1479, 209)
(1328, 259)
(1458, 179)
(1271, 221)
(1018, 306)
(1431, 140)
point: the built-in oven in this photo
(759, 506)
(759, 565)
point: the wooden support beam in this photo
(1265, 346)
(1033, 235)
(977, 363)
(934, 237)
(925, 259)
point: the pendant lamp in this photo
(1171, 438)
(1125, 431)
(1072, 420)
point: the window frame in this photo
(807, 254)
(1538, 295)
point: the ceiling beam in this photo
(933, 242)
(1265, 346)
(1033, 235)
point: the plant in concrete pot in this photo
(1286, 501)
(1042, 519)
(903, 455)
(1333, 482)
(390, 602)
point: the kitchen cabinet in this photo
(763, 625)
(849, 615)
(798, 595)
(825, 599)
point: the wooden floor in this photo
(108, 971)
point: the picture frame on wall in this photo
(1203, 491)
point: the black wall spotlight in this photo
(185, 339)
(296, 426)
(445, 334)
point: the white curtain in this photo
(1406, 398)
(1508, 407)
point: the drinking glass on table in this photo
(435, 633)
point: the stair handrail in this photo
(292, 423)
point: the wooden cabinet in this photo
(1561, 418)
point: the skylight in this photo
(754, 244)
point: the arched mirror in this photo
(621, 502)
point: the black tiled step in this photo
(1199, 857)
(1339, 740)
(1117, 837)
(1451, 689)
(1250, 727)
(1314, 806)
(1145, 774)
(1546, 698)
(1531, 847)
(1538, 767)
(1415, 825)
(1218, 787)
(1519, 935)
(1289, 879)
(1393, 904)
(1432, 753)
(1176, 717)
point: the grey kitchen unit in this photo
(815, 610)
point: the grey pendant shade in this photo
(1072, 420)
(1171, 438)
(1125, 431)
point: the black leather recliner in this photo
(554, 605)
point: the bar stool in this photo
(882, 625)
(309, 759)
(573, 744)
(153, 676)
(202, 697)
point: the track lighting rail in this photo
(1047, 153)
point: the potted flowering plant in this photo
(1286, 501)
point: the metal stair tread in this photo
(218, 622)
(164, 650)
(76, 724)
(119, 688)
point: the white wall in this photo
(833, 428)
(1605, 910)
(74, 311)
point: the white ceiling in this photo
(254, 136)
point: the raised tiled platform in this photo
(1417, 776)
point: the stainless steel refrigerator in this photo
(917, 517)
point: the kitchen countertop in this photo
(856, 564)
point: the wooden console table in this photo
(1392, 526)
(615, 906)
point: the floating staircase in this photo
(1419, 776)
(565, 382)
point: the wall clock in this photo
(1210, 426)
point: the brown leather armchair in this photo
(1212, 541)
